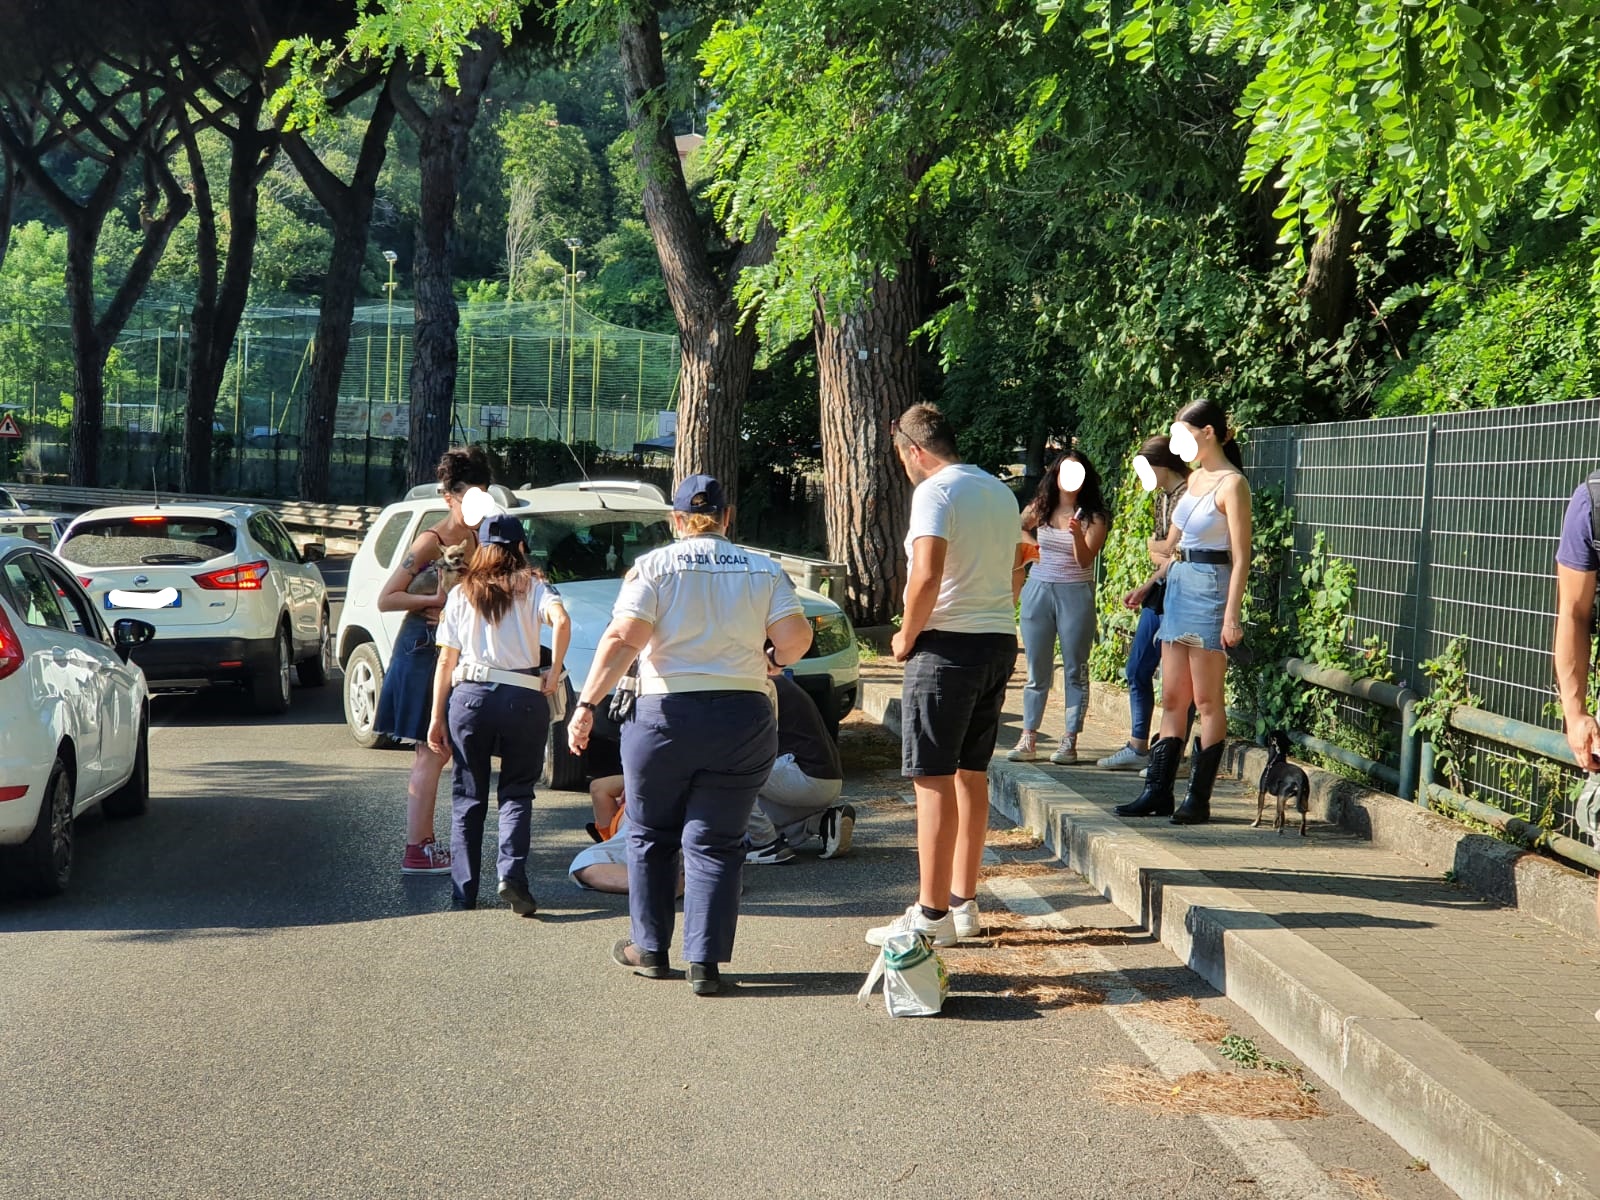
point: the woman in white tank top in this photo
(1068, 521)
(1203, 613)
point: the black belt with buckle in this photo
(1220, 558)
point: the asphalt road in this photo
(241, 996)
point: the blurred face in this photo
(1185, 440)
(1070, 475)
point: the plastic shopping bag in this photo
(1587, 811)
(915, 982)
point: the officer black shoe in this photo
(705, 979)
(1196, 806)
(1156, 799)
(652, 964)
(516, 895)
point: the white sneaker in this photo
(1125, 759)
(1066, 754)
(968, 921)
(1026, 749)
(941, 932)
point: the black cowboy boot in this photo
(1196, 806)
(1156, 799)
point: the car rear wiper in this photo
(169, 560)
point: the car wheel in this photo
(269, 689)
(564, 771)
(133, 797)
(44, 861)
(363, 684)
(314, 671)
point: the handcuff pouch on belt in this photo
(625, 696)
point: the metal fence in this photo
(545, 370)
(1451, 522)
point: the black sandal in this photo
(652, 964)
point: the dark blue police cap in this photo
(502, 530)
(699, 494)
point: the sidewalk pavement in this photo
(1463, 1028)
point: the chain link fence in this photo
(1451, 522)
(550, 371)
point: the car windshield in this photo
(149, 541)
(591, 545)
(39, 532)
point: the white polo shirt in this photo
(510, 644)
(710, 603)
(977, 516)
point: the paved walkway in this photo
(1517, 993)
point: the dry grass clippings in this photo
(1017, 870)
(1183, 1015)
(1269, 1097)
(1364, 1186)
(1013, 839)
(1024, 975)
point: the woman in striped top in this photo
(1068, 521)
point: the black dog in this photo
(1281, 778)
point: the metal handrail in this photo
(1392, 696)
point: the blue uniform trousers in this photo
(493, 719)
(692, 763)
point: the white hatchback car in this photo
(585, 540)
(233, 599)
(74, 716)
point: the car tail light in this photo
(149, 520)
(11, 655)
(13, 793)
(246, 577)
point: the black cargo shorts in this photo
(950, 704)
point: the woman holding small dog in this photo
(403, 704)
(1069, 521)
(1203, 611)
(490, 699)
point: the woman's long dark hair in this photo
(495, 577)
(1204, 412)
(1157, 451)
(1091, 500)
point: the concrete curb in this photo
(1481, 1133)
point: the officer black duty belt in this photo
(1220, 558)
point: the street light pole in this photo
(573, 245)
(388, 337)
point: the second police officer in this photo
(703, 736)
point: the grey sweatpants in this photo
(1051, 612)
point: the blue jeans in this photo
(1144, 656)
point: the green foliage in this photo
(556, 160)
(1450, 687)
(1522, 338)
(1125, 564)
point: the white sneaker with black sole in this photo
(941, 932)
(838, 824)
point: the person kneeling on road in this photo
(800, 799)
(498, 704)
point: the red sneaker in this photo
(426, 859)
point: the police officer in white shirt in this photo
(703, 736)
(491, 699)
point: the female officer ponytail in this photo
(499, 571)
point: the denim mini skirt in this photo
(1196, 595)
(405, 706)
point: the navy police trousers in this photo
(487, 719)
(692, 764)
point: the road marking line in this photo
(1280, 1168)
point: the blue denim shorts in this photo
(1196, 596)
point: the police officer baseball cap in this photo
(699, 494)
(502, 530)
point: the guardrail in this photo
(1415, 778)
(352, 519)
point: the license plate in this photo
(118, 598)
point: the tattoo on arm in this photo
(408, 564)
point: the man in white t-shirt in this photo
(958, 639)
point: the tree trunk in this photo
(718, 354)
(443, 137)
(88, 359)
(1330, 275)
(350, 208)
(222, 291)
(867, 368)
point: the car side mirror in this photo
(129, 632)
(313, 552)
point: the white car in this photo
(74, 716)
(232, 598)
(584, 539)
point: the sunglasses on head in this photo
(896, 432)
